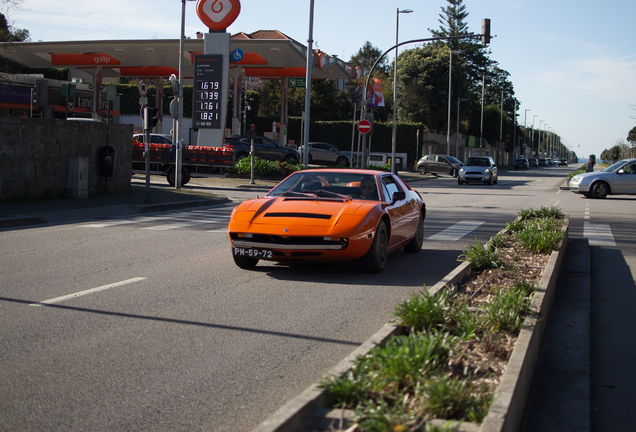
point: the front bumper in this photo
(579, 187)
(475, 176)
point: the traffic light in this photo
(41, 94)
(252, 131)
(150, 118)
(485, 31)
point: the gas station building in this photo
(265, 54)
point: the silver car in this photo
(320, 152)
(480, 169)
(618, 179)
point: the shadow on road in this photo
(613, 342)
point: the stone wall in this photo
(35, 154)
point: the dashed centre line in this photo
(86, 292)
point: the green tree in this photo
(327, 102)
(366, 57)
(631, 136)
(10, 34)
(423, 85)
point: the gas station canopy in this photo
(266, 54)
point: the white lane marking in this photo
(170, 226)
(220, 230)
(457, 231)
(126, 221)
(598, 235)
(214, 220)
(90, 291)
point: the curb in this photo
(508, 408)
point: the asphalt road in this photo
(198, 344)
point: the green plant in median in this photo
(456, 398)
(423, 311)
(482, 257)
(544, 212)
(507, 310)
(541, 235)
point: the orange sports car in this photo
(330, 215)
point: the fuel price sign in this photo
(207, 110)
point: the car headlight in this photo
(461, 170)
(487, 171)
(576, 179)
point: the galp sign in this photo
(218, 14)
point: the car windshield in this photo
(477, 162)
(615, 167)
(330, 184)
(454, 160)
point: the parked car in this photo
(155, 138)
(329, 215)
(563, 162)
(618, 179)
(478, 169)
(320, 152)
(264, 148)
(533, 162)
(521, 163)
(543, 162)
(551, 162)
(439, 164)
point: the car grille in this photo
(280, 242)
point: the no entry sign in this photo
(364, 126)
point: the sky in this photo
(572, 63)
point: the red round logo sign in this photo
(218, 14)
(364, 126)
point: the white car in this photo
(618, 179)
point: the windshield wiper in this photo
(292, 193)
(332, 194)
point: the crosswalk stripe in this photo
(457, 231)
(598, 235)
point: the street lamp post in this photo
(450, 76)
(395, 72)
(525, 129)
(539, 143)
(308, 83)
(532, 132)
(457, 134)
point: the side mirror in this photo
(400, 195)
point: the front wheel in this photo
(291, 159)
(244, 262)
(600, 190)
(171, 176)
(454, 173)
(459, 182)
(415, 245)
(421, 170)
(375, 260)
(342, 161)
